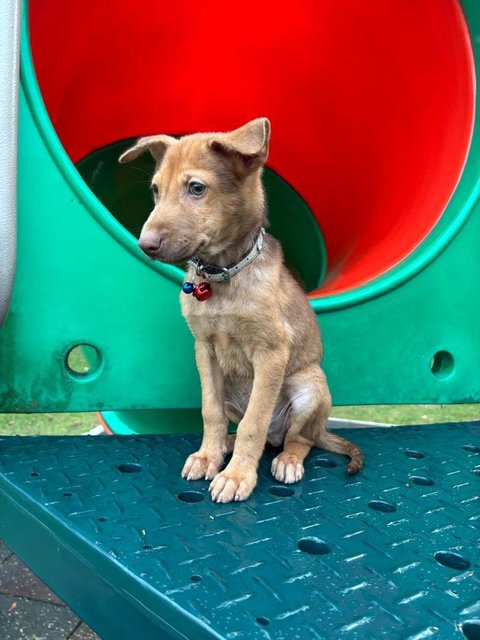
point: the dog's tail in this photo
(336, 444)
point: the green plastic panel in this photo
(153, 421)
(138, 552)
(77, 284)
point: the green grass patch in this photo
(78, 423)
(410, 413)
(50, 424)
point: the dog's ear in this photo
(246, 146)
(157, 145)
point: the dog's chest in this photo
(227, 330)
(228, 339)
(232, 354)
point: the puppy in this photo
(257, 343)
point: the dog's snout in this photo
(150, 243)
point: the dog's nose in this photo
(149, 243)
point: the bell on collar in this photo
(201, 292)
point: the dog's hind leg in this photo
(235, 415)
(309, 399)
(315, 428)
(310, 408)
(288, 466)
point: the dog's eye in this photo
(155, 190)
(196, 189)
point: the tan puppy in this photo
(258, 346)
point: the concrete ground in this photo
(29, 610)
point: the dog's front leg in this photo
(206, 462)
(238, 479)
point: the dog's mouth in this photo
(176, 251)
(177, 258)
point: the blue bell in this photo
(188, 287)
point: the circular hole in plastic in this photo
(452, 560)
(422, 481)
(381, 505)
(196, 578)
(102, 519)
(34, 474)
(410, 453)
(83, 360)
(191, 496)
(325, 462)
(67, 494)
(118, 187)
(471, 629)
(263, 621)
(147, 547)
(471, 447)
(442, 365)
(313, 545)
(281, 491)
(130, 467)
(476, 472)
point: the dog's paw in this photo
(287, 468)
(199, 465)
(233, 484)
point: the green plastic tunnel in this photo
(372, 175)
(371, 106)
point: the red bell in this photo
(202, 291)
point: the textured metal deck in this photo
(138, 552)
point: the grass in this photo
(50, 424)
(410, 413)
(78, 423)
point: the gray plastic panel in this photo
(9, 82)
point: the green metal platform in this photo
(138, 552)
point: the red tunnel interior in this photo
(371, 103)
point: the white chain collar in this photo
(213, 273)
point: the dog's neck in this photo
(235, 252)
(217, 272)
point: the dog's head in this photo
(207, 191)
